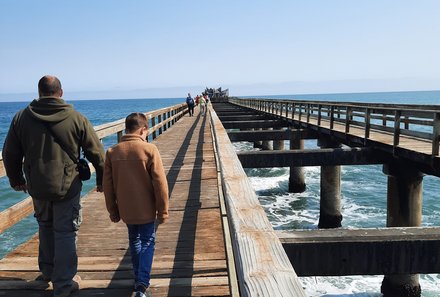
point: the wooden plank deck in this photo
(190, 257)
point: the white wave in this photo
(360, 286)
(363, 190)
(265, 183)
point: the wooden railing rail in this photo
(263, 268)
(420, 121)
(162, 119)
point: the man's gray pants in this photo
(58, 223)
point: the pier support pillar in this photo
(296, 179)
(258, 144)
(404, 209)
(330, 203)
(278, 145)
(266, 145)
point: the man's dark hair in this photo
(49, 86)
(135, 121)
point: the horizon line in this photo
(173, 97)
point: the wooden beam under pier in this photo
(270, 135)
(245, 117)
(254, 124)
(335, 252)
(312, 157)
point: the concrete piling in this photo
(266, 144)
(278, 145)
(330, 203)
(257, 144)
(296, 179)
(404, 209)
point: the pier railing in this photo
(160, 120)
(419, 121)
(263, 268)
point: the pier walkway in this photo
(219, 241)
(190, 257)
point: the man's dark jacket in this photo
(48, 169)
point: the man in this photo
(190, 103)
(33, 145)
(136, 191)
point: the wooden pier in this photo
(190, 257)
(218, 241)
(404, 138)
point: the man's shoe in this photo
(76, 280)
(43, 278)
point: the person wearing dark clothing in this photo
(36, 163)
(190, 103)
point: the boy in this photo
(136, 191)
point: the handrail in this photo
(419, 121)
(263, 268)
(351, 103)
(164, 118)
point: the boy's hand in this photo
(99, 188)
(160, 221)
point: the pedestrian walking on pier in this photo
(202, 103)
(42, 142)
(136, 191)
(190, 103)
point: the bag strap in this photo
(62, 145)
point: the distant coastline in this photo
(121, 95)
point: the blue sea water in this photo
(363, 187)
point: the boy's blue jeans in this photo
(142, 241)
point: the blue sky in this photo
(105, 48)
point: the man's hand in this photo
(115, 218)
(20, 188)
(99, 188)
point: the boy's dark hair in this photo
(49, 85)
(135, 121)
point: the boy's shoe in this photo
(142, 291)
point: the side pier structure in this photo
(219, 241)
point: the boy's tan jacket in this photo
(135, 185)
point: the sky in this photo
(146, 48)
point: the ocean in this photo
(363, 187)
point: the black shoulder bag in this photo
(82, 166)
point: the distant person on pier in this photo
(202, 103)
(190, 103)
(37, 143)
(136, 191)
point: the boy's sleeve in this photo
(160, 185)
(109, 192)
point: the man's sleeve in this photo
(109, 192)
(12, 155)
(93, 150)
